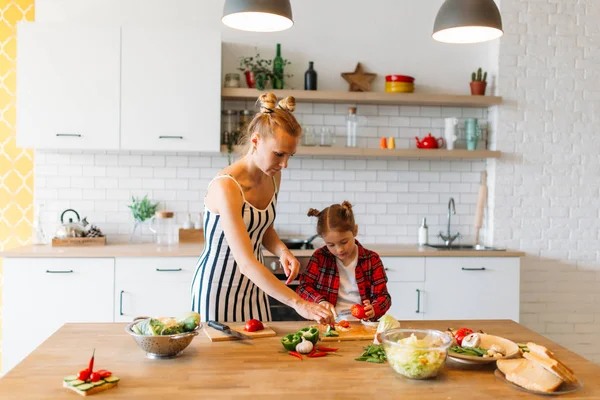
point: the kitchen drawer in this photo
(152, 286)
(472, 288)
(404, 269)
(41, 294)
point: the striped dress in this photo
(219, 291)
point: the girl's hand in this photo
(369, 311)
(316, 312)
(290, 264)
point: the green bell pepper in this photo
(291, 341)
(310, 334)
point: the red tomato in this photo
(95, 377)
(104, 373)
(344, 324)
(83, 375)
(460, 335)
(358, 311)
(254, 325)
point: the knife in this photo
(226, 329)
(342, 314)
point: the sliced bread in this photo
(552, 365)
(509, 365)
(544, 352)
(531, 375)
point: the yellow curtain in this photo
(16, 165)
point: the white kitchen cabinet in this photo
(41, 294)
(68, 86)
(406, 281)
(171, 88)
(152, 286)
(471, 288)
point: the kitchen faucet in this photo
(449, 238)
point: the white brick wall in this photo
(547, 194)
(390, 196)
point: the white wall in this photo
(387, 36)
(547, 200)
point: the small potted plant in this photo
(258, 71)
(142, 210)
(478, 83)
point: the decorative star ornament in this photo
(359, 80)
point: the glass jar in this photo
(309, 136)
(163, 227)
(232, 80)
(245, 118)
(327, 136)
(229, 124)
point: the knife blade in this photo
(227, 330)
(342, 314)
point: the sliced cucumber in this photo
(99, 383)
(70, 378)
(112, 379)
(76, 382)
(85, 387)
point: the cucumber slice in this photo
(99, 383)
(70, 378)
(85, 387)
(112, 379)
(76, 382)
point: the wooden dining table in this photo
(262, 369)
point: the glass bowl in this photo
(416, 353)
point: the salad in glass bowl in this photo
(414, 353)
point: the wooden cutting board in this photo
(218, 336)
(357, 331)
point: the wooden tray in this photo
(357, 331)
(218, 336)
(81, 241)
(191, 235)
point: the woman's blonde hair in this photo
(337, 217)
(270, 116)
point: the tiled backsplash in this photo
(391, 196)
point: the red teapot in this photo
(430, 142)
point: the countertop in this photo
(194, 250)
(262, 369)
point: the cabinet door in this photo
(40, 295)
(153, 286)
(472, 288)
(171, 88)
(68, 86)
(406, 300)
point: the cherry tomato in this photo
(95, 377)
(83, 375)
(104, 373)
(254, 325)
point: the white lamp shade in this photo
(258, 15)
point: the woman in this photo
(231, 283)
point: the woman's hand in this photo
(291, 265)
(329, 306)
(369, 311)
(316, 312)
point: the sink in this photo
(471, 247)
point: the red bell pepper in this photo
(460, 335)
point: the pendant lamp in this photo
(258, 15)
(467, 21)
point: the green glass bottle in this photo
(278, 69)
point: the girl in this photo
(343, 273)
(230, 282)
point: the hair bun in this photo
(312, 212)
(288, 104)
(347, 205)
(267, 102)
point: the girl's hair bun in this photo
(267, 103)
(288, 104)
(313, 212)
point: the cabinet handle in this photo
(418, 301)
(168, 270)
(59, 272)
(68, 135)
(388, 269)
(170, 137)
(473, 269)
(121, 302)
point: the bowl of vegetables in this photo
(415, 353)
(164, 337)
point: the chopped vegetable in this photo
(330, 332)
(254, 325)
(310, 333)
(188, 321)
(104, 373)
(344, 324)
(84, 375)
(95, 377)
(415, 358)
(291, 341)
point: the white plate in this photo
(512, 350)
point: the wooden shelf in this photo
(436, 154)
(417, 99)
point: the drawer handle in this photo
(59, 272)
(121, 302)
(68, 135)
(473, 269)
(170, 137)
(168, 270)
(418, 301)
